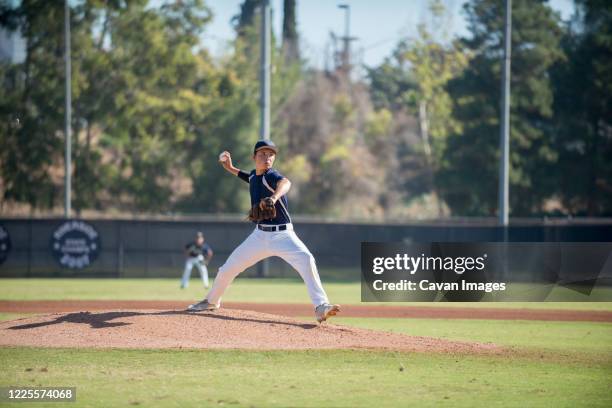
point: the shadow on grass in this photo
(103, 320)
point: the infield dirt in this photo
(294, 310)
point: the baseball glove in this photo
(264, 210)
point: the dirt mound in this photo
(222, 329)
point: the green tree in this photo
(412, 83)
(393, 87)
(392, 81)
(93, 88)
(433, 65)
(246, 17)
(150, 107)
(470, 173)
(32, 105)
(154, 100)
(583, 112)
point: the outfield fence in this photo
(154, 248)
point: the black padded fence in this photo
(154, 248)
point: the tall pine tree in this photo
(290, 34)
(583, 112)
(469, 177)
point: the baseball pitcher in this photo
(273, 234)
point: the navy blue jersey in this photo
(264, 186)
(194, 250)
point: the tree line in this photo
(419, 137)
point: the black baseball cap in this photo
(265, 144)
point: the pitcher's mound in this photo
(222, 329)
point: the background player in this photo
(271, 237)
(198, 254)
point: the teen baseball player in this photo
(198, 254)
(273, 234)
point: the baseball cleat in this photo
(203, 305)
(325, 310)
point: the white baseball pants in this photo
(262, 244)
(189, 264)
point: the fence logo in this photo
(75, 244)
(5, 244)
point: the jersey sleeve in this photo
(273, 177)
(243, 175)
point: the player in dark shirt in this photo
(198, 254)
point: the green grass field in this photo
(243, 290)
(164, 378)
(560, 364)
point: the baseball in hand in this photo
(223, 157)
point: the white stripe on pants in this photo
(262, 244)
(189, 264)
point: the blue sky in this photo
(378, 24)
